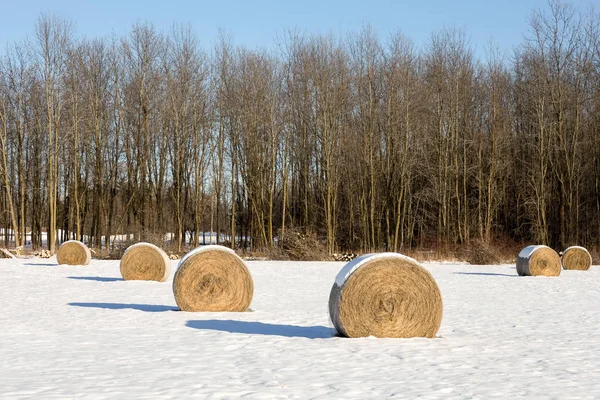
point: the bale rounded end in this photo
(146, 262)
(576, 258)
(538, 261)
(73, 252)
(213, 278)
(386, 295)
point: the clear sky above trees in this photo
(257, 23)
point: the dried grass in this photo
(576, 258)
(73, 252)
(385, 295)
(481, 253)
(145, 261)
(213, 278)
(297, 245)
(538, 261)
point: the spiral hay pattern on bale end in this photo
(576, 258)
(385, 295)
(538, 261)
(146, 262)
(73, 252)
(213, 278)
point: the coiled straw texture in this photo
(385, 295)
(538, 261)
(73, 252)
(145, 261)
(213, 278)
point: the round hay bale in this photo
(385, 295)
(73, 252)
(576, 258)
(538, 261)
(213, 278)
(145, 262)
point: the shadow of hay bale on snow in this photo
(119, 306)
(96, 278)
(485, 274)
(261, 328)
(41, 264)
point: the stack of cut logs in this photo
(344, 256)
(43, 254)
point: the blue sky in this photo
(257, 23)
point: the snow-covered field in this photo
(82, 332)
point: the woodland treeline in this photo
(368, 144)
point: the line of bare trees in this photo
(370, 145)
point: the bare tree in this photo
(53, 36)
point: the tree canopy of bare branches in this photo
(367, 144)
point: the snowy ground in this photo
(204, 238)
(82, 332)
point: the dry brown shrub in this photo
(115, 253)
(298, 245)
(479, 252)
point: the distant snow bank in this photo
(207, 238)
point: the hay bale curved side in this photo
(538, 260)
(576, 258)
(385, 295)
(213, 278)
(146, 262)
(73, 252)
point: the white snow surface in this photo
(201, 249)
(82, 332)
(162, 253)
(528, 251)
(358, 262)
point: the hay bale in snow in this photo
(385, 295)
(146, 262)
(538, 261)
(73, 252)
(576, 258)
(212, 278)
